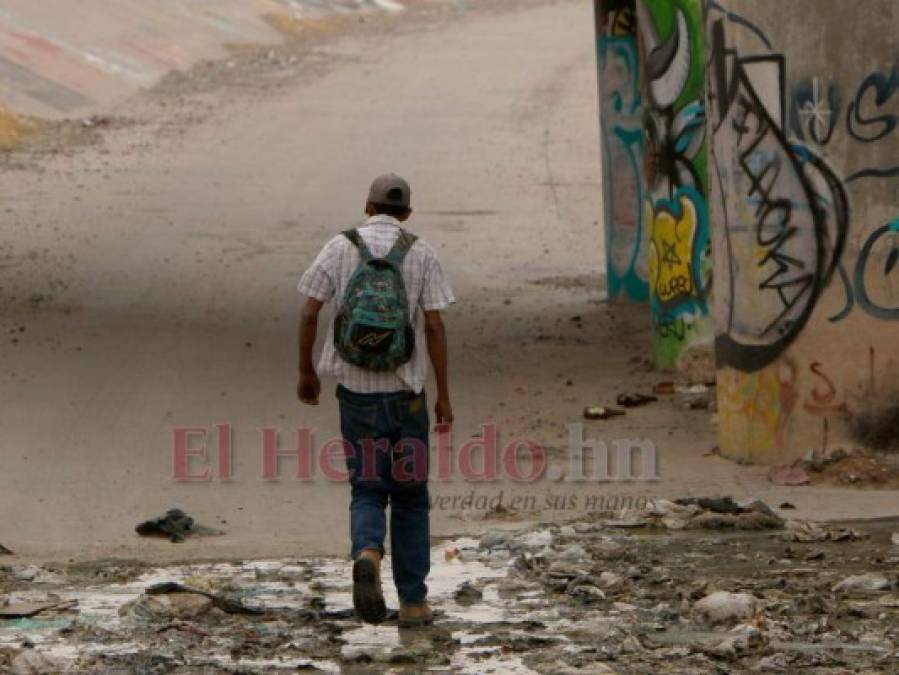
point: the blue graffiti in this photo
(856, 288)
(623, 145)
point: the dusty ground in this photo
(149, 259)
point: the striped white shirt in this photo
(426, 287)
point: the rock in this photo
(724, 607)
(37, 575)
(608, 549)
(573, 553)
(624, 607)
(164, 607)
(495, 539)
(359, 653)
(467, 594)
(862, 583)
(587, 594)
(5, 551)
(675, 522)
(609, 581)
(31, 662)
(498, 556)
(805, 532)
(895, 538)
(758, 506)
(538, 539)
(773, 663)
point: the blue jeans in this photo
(387, 459)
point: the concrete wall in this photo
(621, 125)
(53, 65)
(803, 101)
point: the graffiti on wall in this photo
(755, 409)
(621, 120)
(675, 168)
(783, 212)
(790, 252)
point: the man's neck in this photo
(382, 219)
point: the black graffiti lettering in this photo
(671, 327)
(869, 129)
(782, 206)
(800, 212)
(804, 284)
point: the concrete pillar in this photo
(670, 37)
(621, 125)
(803, 108)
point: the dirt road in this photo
(149, 263)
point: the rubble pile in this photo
(657, 590)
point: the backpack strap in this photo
(403, 243)
(357, 241)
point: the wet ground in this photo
(629, 595)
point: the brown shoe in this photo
(414, 615)
(368, 598)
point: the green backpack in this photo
(372, 328)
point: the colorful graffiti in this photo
(676, 174)
(756, 409)
(783, 213)
(799, 276)
(621, 125)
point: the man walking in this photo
(390, 290)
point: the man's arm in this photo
(309, 386)
(435, 332)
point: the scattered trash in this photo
(26, 610)
(789, 474)
(634, 400)
(714, 504)
(723, 607)
(692, 389)
(663, 388)
(895, 538)
(601, 413)
(807, 532)
(227, 605)
(95, 121)
(176, 526)
(467, 594)
(863, 583)
(584, 596)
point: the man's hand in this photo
(309, 388)
(443, 413)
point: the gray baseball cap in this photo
(390, 190)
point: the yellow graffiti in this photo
(754, 409)
(671, 251)
(623, 22)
